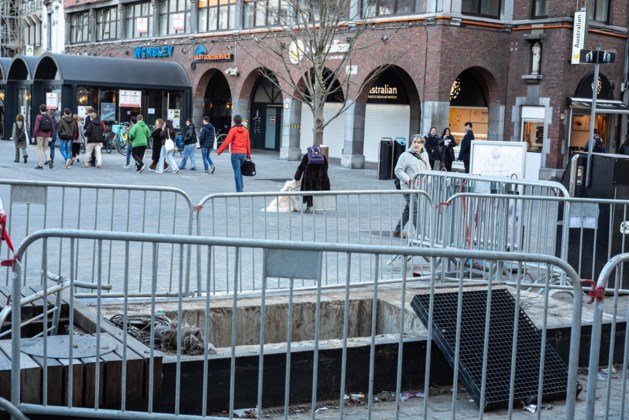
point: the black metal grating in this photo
(529, 342)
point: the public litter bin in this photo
(385, 164)
(399, 147)
(590, 222)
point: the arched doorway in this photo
(217, 102)
(469, 101)
(388, 111)
(265, 117)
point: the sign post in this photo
(596, 57)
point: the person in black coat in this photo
(156, 140)
(466, 146)
(314, 177)
(432, 147)
(447, 144)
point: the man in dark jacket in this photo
(432, 147)
(68, 131)
(94, 137)
(189, 146)
(42, 132)
(206, 141)
(466, 145)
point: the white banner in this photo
(51, 100)
(178, 22)
(142, 25)
(578, 36)
(131, 98)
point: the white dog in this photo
(285, 203)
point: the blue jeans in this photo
(65, 147)
(188, 152)
(207, 160)
(168, 156)
(51, 145)
(237, 160)
(129, 153)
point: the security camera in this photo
(232, 71)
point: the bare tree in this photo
(316, 42)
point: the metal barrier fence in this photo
(34, 205)
(350, 217)
(285, 359)
(609, 387)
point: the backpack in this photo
(45, 125)
(315, 156)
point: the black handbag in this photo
(248, 168)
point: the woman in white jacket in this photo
(410, 163)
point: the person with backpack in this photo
(206, 141)
(20, 138)
(189, 146)
(68, 130)
(313, 174)
(94, 135)
(238, 138)
(43, 131)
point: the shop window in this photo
(107, 24)
(172, 16)
(372, 8)
(598, 10)
(540, 8)
(79, 27)
(221, 14)
(490, 8)
(533, 134)
(139, 20)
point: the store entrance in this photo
(266, 116)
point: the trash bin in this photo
(399, 147)
(385, 164)
(591, 222)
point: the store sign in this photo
(130, 98)
(142, 25)
(578, 36)
(153, 52)
(384, 91)
(51, 100)
(178, 22)
(201, 55)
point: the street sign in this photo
(597, 57)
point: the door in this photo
(272, 129)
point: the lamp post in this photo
(595, 57)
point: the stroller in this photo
(179, 145)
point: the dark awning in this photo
(108, 71)
(602, 106)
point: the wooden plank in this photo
(5, 292)
(30, 375)
(55, 379)
(5, 376)
(89, 380)
(77, 381)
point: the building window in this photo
(266, 13)
(172, 16)
(490, 8)
(79, 27)
(540, 8)
(138, 20)
(106, 24)
(33, 35)
(372, 8)
(221, 14)
(598, 10)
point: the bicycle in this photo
(120, 138)
(108, 141)
(220, 138)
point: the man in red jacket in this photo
(238, 138)
(44, 127)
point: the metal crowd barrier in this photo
(34, 205)
(349, 217)
(607, 389)
(280, 362)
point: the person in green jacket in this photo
(139, 135)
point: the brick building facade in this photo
(452, 63)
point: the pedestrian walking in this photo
(189, 146)
(42, 132)
(19, 135)
(94, 136)
(313, 174)
(447, 144)
(413, 161)
(156, 148)
(167, 132)
(239, 145)
(68, 131)
(206, 141)
(52, 144)
(132, 122)
(139, 135)
(432, 147)
(466, 146)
